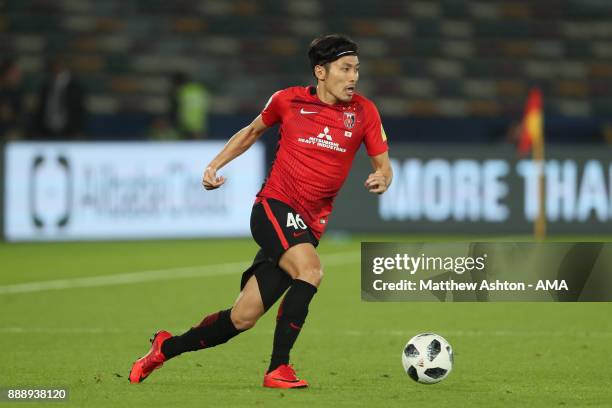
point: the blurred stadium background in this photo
(451, 76)
(430, 66)
(160, 85)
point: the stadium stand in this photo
(450, 59)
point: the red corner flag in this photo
(532, 138)
(532, 134)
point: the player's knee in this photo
(312, 275)
(242, 321)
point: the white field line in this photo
(59, 330)
(341, 258)
(387, 333)
(494, 333)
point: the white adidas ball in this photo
(427, 358)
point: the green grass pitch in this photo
(85, 337)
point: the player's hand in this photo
(376, 183)
(210, 181)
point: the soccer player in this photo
(321, 129)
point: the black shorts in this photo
(277, 227)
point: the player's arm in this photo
(238, 144)
(379, 181)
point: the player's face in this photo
(341, 78)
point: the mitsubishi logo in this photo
(325, 134)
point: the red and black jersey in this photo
(316, 148)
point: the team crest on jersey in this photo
(349, 119)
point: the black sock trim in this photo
(213, 330)
(291, 317)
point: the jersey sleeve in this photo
(272, 112)
(375, 138)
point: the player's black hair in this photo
(329, 48)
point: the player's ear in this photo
(320, 72)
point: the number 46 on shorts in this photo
(295, 221)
